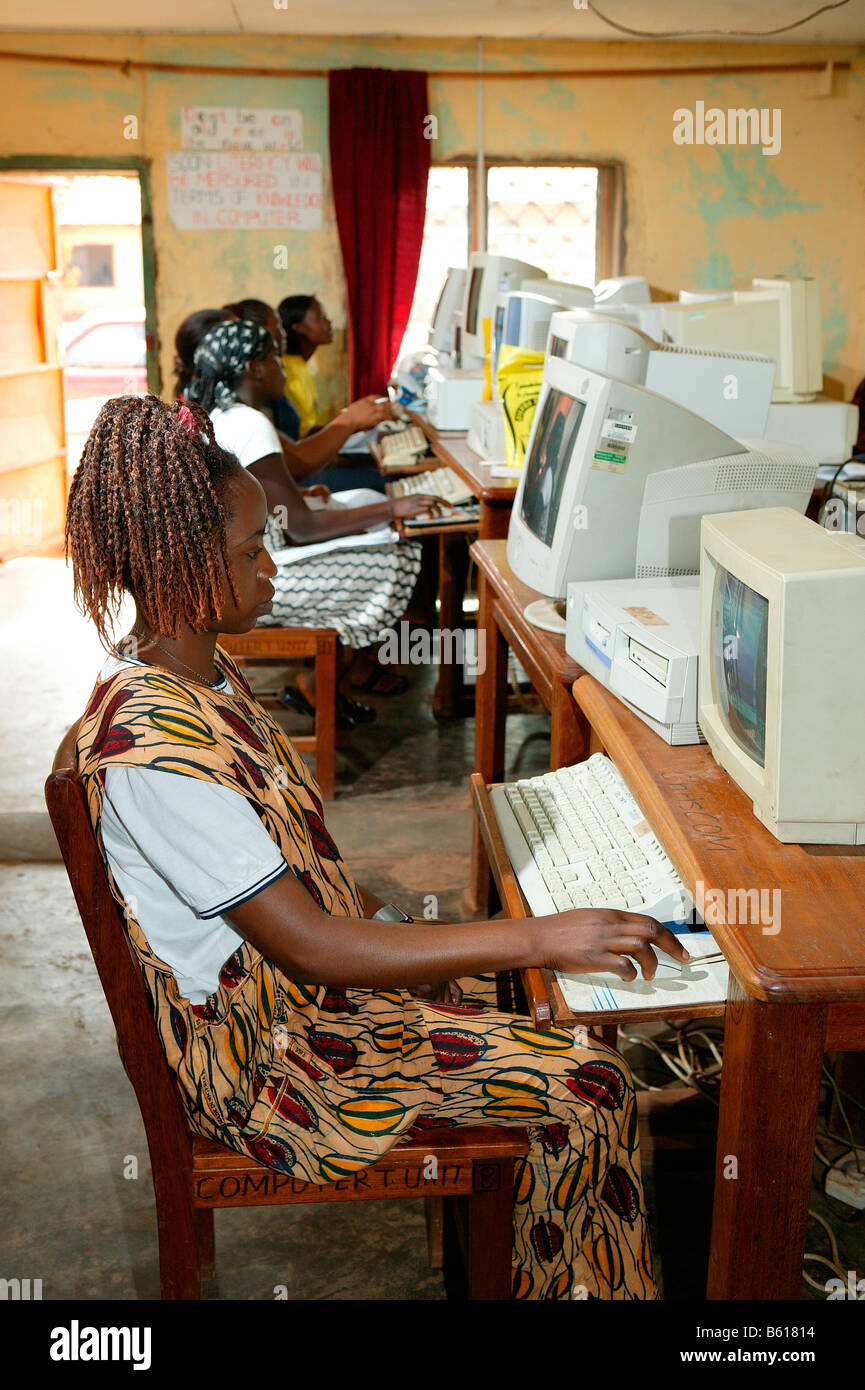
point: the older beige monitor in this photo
(782, 669)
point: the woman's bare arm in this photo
(303, 525)
(289, 928)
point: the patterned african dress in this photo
(320, 1082)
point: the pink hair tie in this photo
(187, 420)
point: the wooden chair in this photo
(192, 1176)
(265, 645)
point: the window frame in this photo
(609, 203)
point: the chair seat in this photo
(476, 1141)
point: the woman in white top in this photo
(360, 590)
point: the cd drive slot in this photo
(652, 663)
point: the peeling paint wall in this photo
(695, 214)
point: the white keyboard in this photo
(401, 448)
(442, 482)
(577, 838)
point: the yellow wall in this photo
(694, 214)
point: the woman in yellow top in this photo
(306, 327)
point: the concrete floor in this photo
(71, 1216)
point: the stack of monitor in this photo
(617, 478)
(624, 495)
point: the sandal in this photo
(293, 698)
(377, 683)
(353, 710)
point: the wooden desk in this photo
(794, 994)
(496, 495)
(502, 599)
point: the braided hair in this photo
(146, 516)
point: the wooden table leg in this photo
(453, 568)
(325, 718)
(569, 730)
(491, 698)
(773, 1054)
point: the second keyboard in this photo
(441, 482)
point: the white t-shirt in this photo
(250, 436)
(183, 853)
(245, 432)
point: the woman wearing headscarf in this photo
(360, 590)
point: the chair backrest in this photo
(125, 991)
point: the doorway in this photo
(77, 296)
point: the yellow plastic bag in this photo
(518, 380)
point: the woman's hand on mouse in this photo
(586, 940)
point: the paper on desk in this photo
(381, 535)
(359, 442)
(673, 984)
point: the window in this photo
(94, 263)
(563, 218)
(445, 243)
(546, 215)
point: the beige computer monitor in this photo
(777, 318)
(782, 667)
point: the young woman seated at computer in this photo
(307, 328)
(359, 591)
(346, 471)
(308, 456)
(282, 990)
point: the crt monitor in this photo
(594, 445)
(527, 320)
(779, 318)
(450, 299)
(622, 289)
(605, 344)
(569, 296)
(520, 320)
(730, 390)
(488, 276)
(782, 662)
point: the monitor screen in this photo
(740, 636)
(546, 466)
(439, 301)
(474, 299)
(514, 319)
(498, 328)
(558, 347)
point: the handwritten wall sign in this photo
(240, 128)
(244, 192)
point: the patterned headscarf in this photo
(222, 355)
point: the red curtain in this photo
(379, 165)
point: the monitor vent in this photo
(724, 354)
(662, 572)
(788, 477)
(746, 472)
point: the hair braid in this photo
(145, 516)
